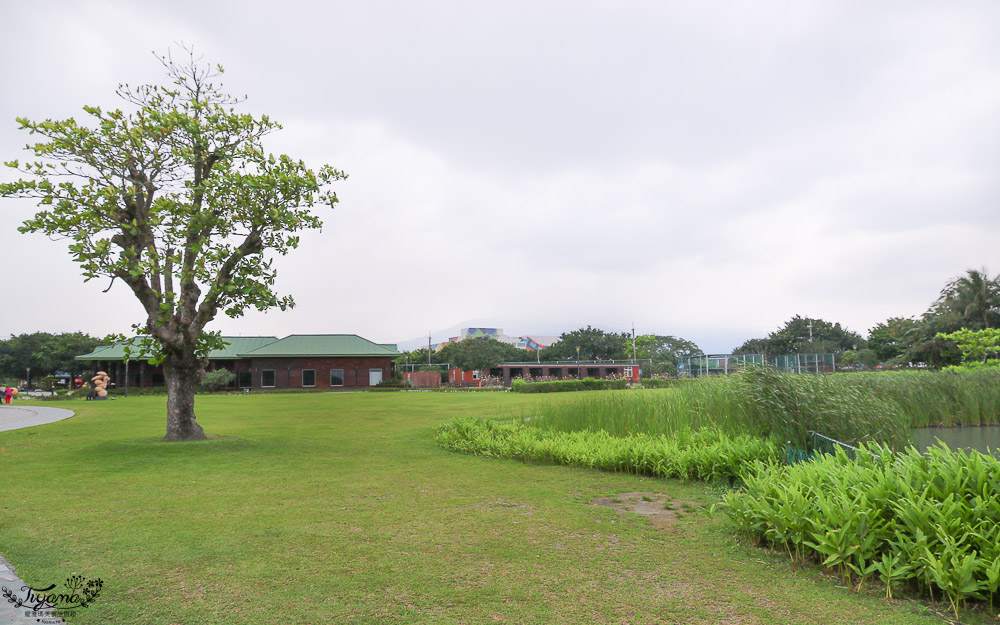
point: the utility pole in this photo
(633, 341)
(428, 348)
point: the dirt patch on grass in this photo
(662, 510)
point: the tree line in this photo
(482, 353)
(967, 302)
(44, 354)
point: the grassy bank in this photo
(342, 509)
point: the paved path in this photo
(17, 417)
(10, 615)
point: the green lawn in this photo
(340, 508)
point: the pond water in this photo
(971, 437)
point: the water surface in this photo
(978, 437)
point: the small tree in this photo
(977, 346)
(482, 353)
(178, 200)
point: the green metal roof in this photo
(323, 345)
(237, 345)
(115, 351)
(240, 344)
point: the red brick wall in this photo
(288, 371)
(423, 379)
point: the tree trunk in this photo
(182, 378)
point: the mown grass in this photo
(341, 509)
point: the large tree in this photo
(594, 344)
(889, 339)
(663, 351)
(971, 300)
(177, 198)
(804, 335)
(481, 354)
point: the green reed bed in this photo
(929, 523)
(758, 401)
(708, 455)
(691, 406)
(936, 397)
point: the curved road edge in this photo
(16, 418)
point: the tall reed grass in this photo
(936, 397)
(758, 401)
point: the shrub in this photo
(657, 383)
(560, 386)
(217, 380)
(930, 521)
(708, 455)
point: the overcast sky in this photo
(702, 169)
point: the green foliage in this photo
(794, 337)
(931, 521)
(657, 383)
(217, 380)
(177, 198)
(966, 397)
(758, 401)
(561, 386)
(480, 354)
(708, 455)
(663, 351)
(44, 353)
(336, 488)
(970, 301)
(889, 338)
(789, 406)
(976, 345)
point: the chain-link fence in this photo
(722, 364)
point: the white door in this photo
(374, 376)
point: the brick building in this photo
(563, 370)
(265, 362)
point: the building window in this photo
(475, 375)
(308, 377)
(555, 373)
(628, 372)
(243, 378)
(267, 378)
(336, 377)
(157, 379)
(593, 372)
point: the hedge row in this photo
(561, 386)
